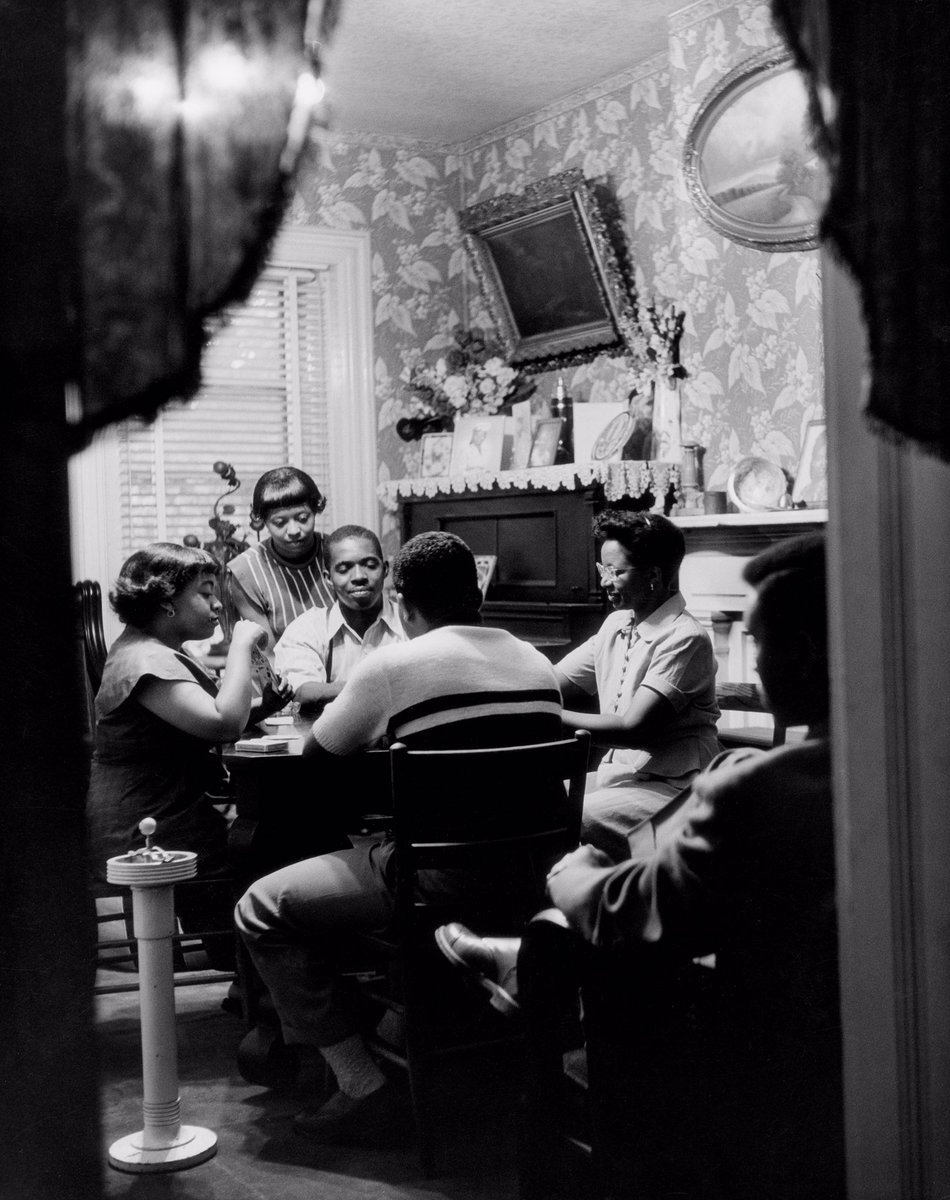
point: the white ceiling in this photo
(445, 71)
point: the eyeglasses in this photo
(610, 574)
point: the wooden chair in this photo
(745, 698)
(619, 1051)
(90, 645)
(501, 816)
(89, 606)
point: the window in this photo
(263, 403)
(290, 379)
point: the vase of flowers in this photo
(472, 377)
(654, 373)
(654, 347)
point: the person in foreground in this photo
(319, 650)
(160, 719)
(741, 865)
(282, 576)
(453, 685)
(654, 671)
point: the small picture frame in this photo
(436, 454)
(477, 444)
(811, 479)
(485, 566)
(544, 446)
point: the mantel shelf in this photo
(618, 479)
(745, 534)
(783, 516)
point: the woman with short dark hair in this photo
(281, 577)
(653, 669)
(160, 718)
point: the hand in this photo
(247, 634)
(583, 856)
(273, 699)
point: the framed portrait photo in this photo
(811, 478)
(477, 444)
(544, 446)
(485, 566)
(436, 454)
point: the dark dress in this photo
(144, 767)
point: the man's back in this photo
(454, 687)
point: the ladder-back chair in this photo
(501, 817)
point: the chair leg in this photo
(549, 966)
(419, 1067)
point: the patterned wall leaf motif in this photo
(752, 340)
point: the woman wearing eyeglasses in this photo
(653, 669)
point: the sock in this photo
(356, 1073)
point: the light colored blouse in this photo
(670, 653)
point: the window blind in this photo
(263, 403)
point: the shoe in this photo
(345, 1118)
(493, 960)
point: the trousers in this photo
(297, 922)
(611, 813)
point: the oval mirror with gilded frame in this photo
(750, 166)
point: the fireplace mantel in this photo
(748, 533)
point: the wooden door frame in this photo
(889, 563)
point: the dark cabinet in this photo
(545, 587)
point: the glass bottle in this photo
(563, 406)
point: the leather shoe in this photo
(345, 1118)
(491, 960)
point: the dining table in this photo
(289, 807)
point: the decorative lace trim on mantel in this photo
(619, 479)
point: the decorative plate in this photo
(757, 485)
(613, 438)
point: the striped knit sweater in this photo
(457, 687)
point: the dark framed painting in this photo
(549, 272)
(750, 165)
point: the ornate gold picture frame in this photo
(549, 272)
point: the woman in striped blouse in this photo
(282, 576)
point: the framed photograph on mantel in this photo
(436, 454)
(811, 479)
(477, 444)
(549, 272)
(544, 446)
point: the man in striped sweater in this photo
(454, 685)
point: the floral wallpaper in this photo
(752, 335)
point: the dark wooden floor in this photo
(258, 1156)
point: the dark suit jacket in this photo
(744, 869)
